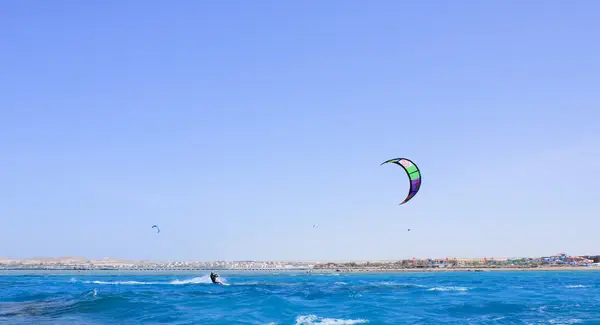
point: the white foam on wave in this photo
(313, 319)
(197, 280)
(249, 283)
(448, 289)
(398, 284)
(122, 282)
(577, 286)
(565, 321)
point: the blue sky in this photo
(237, 125)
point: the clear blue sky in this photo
(237, 125)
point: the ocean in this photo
(549, 297)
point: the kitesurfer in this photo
(214, 278)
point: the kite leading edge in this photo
(414, 175)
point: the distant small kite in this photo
(157, 229)
(414, 175)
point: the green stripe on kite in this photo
(411, 169)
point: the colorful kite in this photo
(414, 175)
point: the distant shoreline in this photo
(315, 271)
(465, 269)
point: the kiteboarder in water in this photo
(214, 278)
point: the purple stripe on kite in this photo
(415, 184)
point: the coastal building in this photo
(565, 259)
(593, 258)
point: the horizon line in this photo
(280, 260)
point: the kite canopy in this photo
(414, 175)
(157, 229)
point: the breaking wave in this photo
(313, 319)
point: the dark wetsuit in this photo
(213, 277)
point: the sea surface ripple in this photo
(561, 297)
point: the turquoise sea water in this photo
(561, 297)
